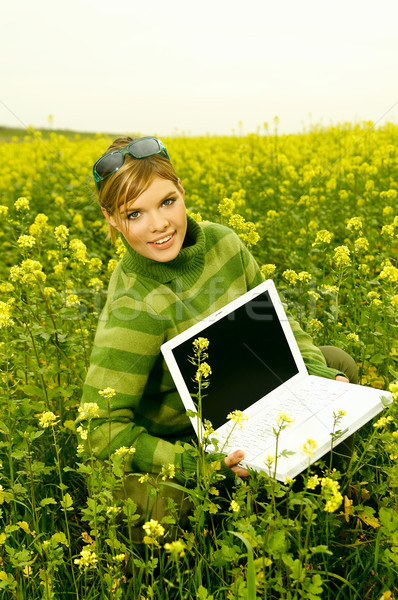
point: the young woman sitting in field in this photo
(174, 273)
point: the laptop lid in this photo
(252, 352)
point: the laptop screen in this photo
(249, 356)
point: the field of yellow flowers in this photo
(319, 211)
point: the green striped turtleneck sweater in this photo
(149, 303)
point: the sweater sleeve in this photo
(126, 351)
(313, 357)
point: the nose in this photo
(158, 221)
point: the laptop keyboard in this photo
(257, 433)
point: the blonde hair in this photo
(131, 180)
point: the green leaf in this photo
(67, 502)
(202, 594)
(60, 538)
(251, 575)
(322, 549)
(47, 501)
(33, 390)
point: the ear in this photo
(110, 218)
(181, 188)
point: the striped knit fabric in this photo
(149, 303)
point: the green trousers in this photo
(153, 501)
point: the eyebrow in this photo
(132, 209)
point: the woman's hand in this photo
(232, 461)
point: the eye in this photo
(168, 201)
(133, 215)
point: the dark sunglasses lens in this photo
(144, 148)
(109, 163)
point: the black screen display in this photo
(249, 357)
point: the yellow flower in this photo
(26, 241)
(78, 250)
(175, 548)
(315, 324)
(72, 300)
(383, 422)
(390, 274)
(120, 558)
(5, 315)
(22, 204)
(304, 277)
(88, 559)
(153, 529)
(272, 215)
(50, 292)
(309, 447)
(236, 222)
(27, 571)
(288, 481)
(331, 493)
(125, 451)
(168, 472)
(28, 272)
(355, 224)
(234, 506)
(94, 264)
(290, 276)
(3, 210)
(313, 482)
(361, 244)
(144, 478)
(387, 211)
(25, 527)
(353, 337)
(83, 433)
(342, 256)
(284, 418)
(113, 510)
(89, 410)
(330, 289)
(61, 234)
(323, 237)
(96, 283)
(388, 231)
(120, 247)
(200, 344)
(226, 207)
(48, 419)
(267, 270)
(203, 370)
(112, 264)
(107, 392)
(237, 416)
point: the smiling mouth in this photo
(163, 240)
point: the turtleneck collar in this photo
(189, 261)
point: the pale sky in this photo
(162, 66)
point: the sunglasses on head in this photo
(112, 161)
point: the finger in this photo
(234, 458)
(240, 471)
(341, 378)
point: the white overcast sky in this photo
(161, 66)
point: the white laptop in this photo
(257, 368)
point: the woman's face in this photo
(155, 223)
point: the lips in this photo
(163, 241)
